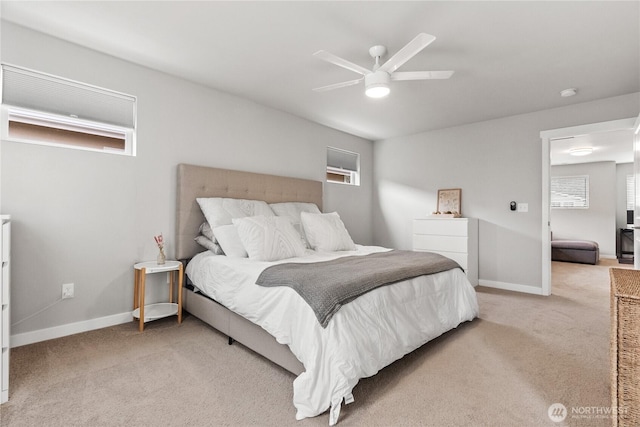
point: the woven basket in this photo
(625, 346)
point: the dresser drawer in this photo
(5, 236)
(458, 257)
(4, 375)
(445, 227)
(5, 256)
(423, 242)
(5, 328)
(4, 285)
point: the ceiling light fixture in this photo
(581, 151)
(377, 84)
(568, 92)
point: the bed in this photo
(276, 323)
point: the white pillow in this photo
(292, 210)
(230, 242)
(269, 238)
(326, 232)
(221, 211)
(207, 239)
(206, 231)
(209, 244)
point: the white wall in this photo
(87, 217)
(598, 223)
(494, 162)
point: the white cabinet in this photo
(455, 238)
(5, 256)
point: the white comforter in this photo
(362, 337)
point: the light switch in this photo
(523, 207)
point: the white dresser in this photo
(5, 256)
(455, 238)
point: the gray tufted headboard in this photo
(200, 181)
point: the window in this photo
(43, 109)
(631, 193)
(343, 166)
(570, 192)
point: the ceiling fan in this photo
(377, 80)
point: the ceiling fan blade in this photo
(421, 41)
(330, 57)
(338, 85)
(421, 75)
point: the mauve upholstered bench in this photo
(582, 251)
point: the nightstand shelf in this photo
(148, 312)
(157, 311)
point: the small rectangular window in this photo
(631, 193)
(43, 109)
(343, 166)
(570, 192)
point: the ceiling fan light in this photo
(581, 151)
(377, 91)
(377, 84)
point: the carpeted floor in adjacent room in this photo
(506, 368)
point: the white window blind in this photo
(46, 109)
(631, 193)
(43, 92)
(570, 192)
(342, 159)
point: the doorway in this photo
(562, 134)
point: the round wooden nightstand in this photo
(149, 312)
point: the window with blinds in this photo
(343, 166)
(631, 200)
(40, 108)
(570, 192)
(631, 193)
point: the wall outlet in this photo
(67, 290)
(523, 207)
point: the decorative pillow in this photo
(208, 244)
(292, 211)
(206, 231)
(326, 232)
(230, 242)
(221, 211)
(269, 238)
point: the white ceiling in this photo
(614, 146)
(509, 57)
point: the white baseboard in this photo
(608, 256)
(18, 340)
(527, 289)
(32, 337)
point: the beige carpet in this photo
(506, 368)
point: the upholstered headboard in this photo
(199, 181)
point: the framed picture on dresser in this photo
(450, 200)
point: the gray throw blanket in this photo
(327, 286)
